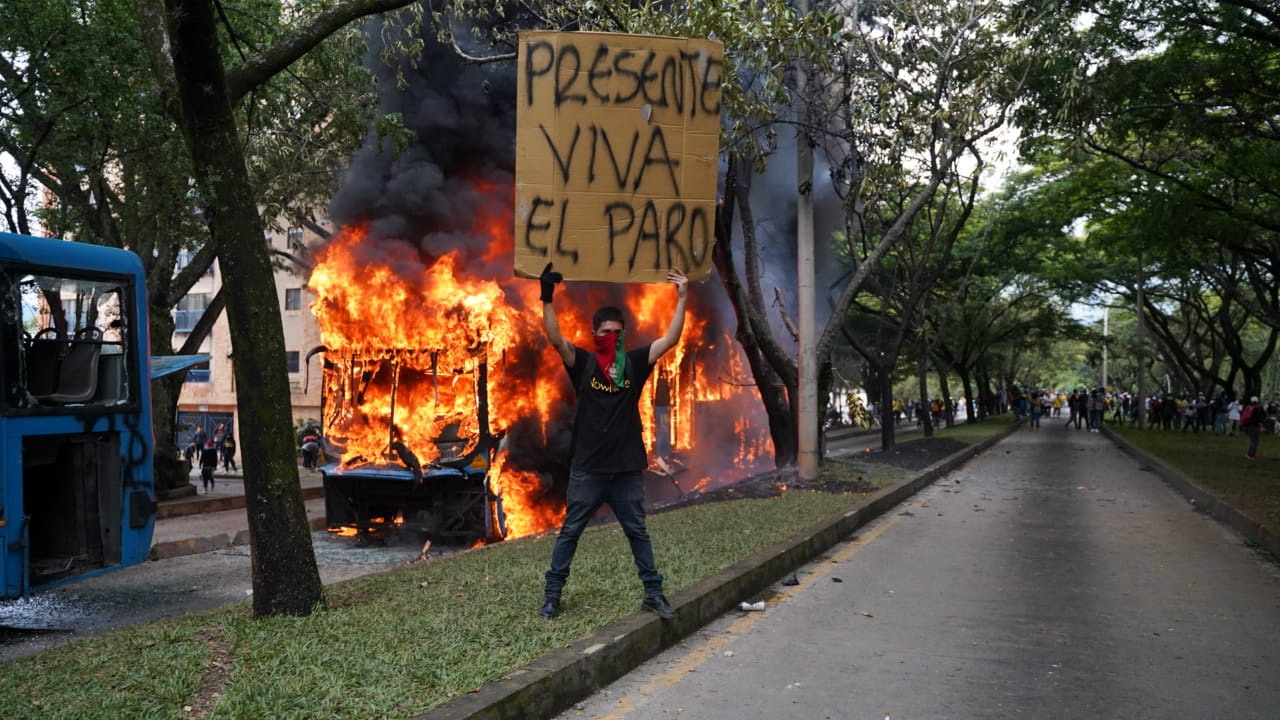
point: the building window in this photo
(291, 360)
(293, 299)
(184, 259)
(189, 311)
(294, 236)
(198, 373)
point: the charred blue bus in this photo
(445, 490)
(76, 488)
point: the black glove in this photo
(549, 281)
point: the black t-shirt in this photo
(608, 436)
(208, 456)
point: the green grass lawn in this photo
(1218, 464)
(399, 643)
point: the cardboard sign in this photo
(617, 151)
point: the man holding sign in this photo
(608, 455)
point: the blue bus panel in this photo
(76, 487)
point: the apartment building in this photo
(209, 394)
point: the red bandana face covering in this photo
(609, 353)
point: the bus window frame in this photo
(134, 336)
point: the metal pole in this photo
(807, 405)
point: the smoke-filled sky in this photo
(464, 119)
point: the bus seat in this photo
(44, 354)
(78, 373)
(111, 374)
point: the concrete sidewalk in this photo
(209, 521)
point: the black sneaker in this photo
(550, 609)
(659, 606)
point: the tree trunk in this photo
(989, 404)
(1252, 381)
(285, 577)
(826, 377)
(777, 405)
(948, 408)
(975, 408)
(172, 471)
(885, 378)
(773, 391)
(926, 417)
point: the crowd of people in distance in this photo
(1221, 413)
(220, 448)
(1086, 409)
(867, 415)
(207, 452)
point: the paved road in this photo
(1049, 578)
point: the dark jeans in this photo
(1253, 431)
(624, 492)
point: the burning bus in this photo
(406, 394)
(430, 472)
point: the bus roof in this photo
(67, 254)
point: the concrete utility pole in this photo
(1142, 355)
(807, 403)
(1106, 318)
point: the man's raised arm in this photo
(550, 325)
(668, 341)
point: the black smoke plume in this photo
(461, 160)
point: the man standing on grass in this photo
(1251, 418)
(608, 456)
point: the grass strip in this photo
(399, 643)
(1218, 464)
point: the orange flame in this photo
(407, 335)
(521, 491)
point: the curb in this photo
(554, 682)
(1203, 500)
(197, 545)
